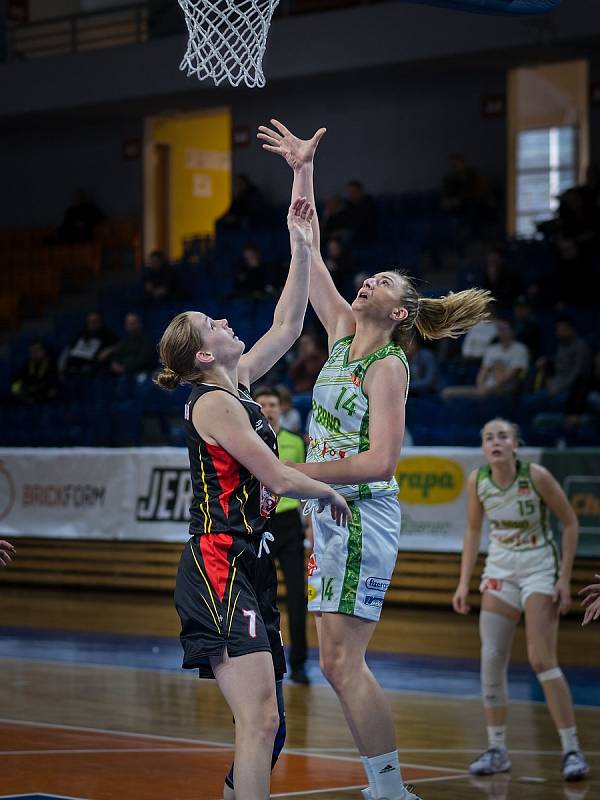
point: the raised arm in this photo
(288, 318)
(220, 419)
(471, 546)
(554, 497)
(332, 310)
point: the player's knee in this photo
(540, 659)
(339, 668)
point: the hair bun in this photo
(167, 379)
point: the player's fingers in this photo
(269, 132)
(318, 135)
(271, 149)
(281, 127)
(266, 138)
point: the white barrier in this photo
(144, 494)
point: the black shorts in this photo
(226, 597)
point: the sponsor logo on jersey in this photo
(373, 600)
(357, 375)
(312, 565)
(523, 487)
(268, 501)
(312, 593)
(429, 480)
(168, 497)
(325, 418)
(377, 584)
(258, 425)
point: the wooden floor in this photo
(114, 733)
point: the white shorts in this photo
(514, 575)
(351, 568)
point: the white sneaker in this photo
(492, 761)
(574, 766)
(408, 795)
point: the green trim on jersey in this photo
(517, 514)
(353, 562)
(339, 425)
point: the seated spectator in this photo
(577, 219)
(423, 368)
(254, 277)
(526, 326)
(500, 280)
(338, 261)
(36, 381)
(305, 369)
(159, 279)
(503, 368)
(135, 353)
(290, 416)
(357, 220)
(79, 220)
(584, 397)
(556, 376)
(248, 207)
(83, 356)
(477, 339)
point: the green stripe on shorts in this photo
(353, 562)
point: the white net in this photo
(227, 39)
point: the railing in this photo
(127, 24)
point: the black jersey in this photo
(226, 497)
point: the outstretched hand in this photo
(299, 222)
(297, 152)
(7, 553)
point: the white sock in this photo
(368, 772)
(497, 736)
(387, 778)
(569, 739)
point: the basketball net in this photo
(227, 39)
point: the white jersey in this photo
(518, 516)
(339, 425)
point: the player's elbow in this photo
(384, 469)
(281, 482)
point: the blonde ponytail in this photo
(452, 315)
(441, 317)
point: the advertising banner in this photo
(145, 493)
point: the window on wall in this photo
(546, 166)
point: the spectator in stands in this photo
(577, 219)
(467, 194)
(423, 368)
(357, 220)
(476, 341)
(333, 219)
(290, 416)
(310, 357)
(557, 375)
(37, 380)
(526, 326)
(338, 261)
(254, 277)
(500, 280)
(83, 356)
(135, 353)
(503, 368)
(159, 280)
(584, 397)
(80, 220)
(288, 547)
(248, 208)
